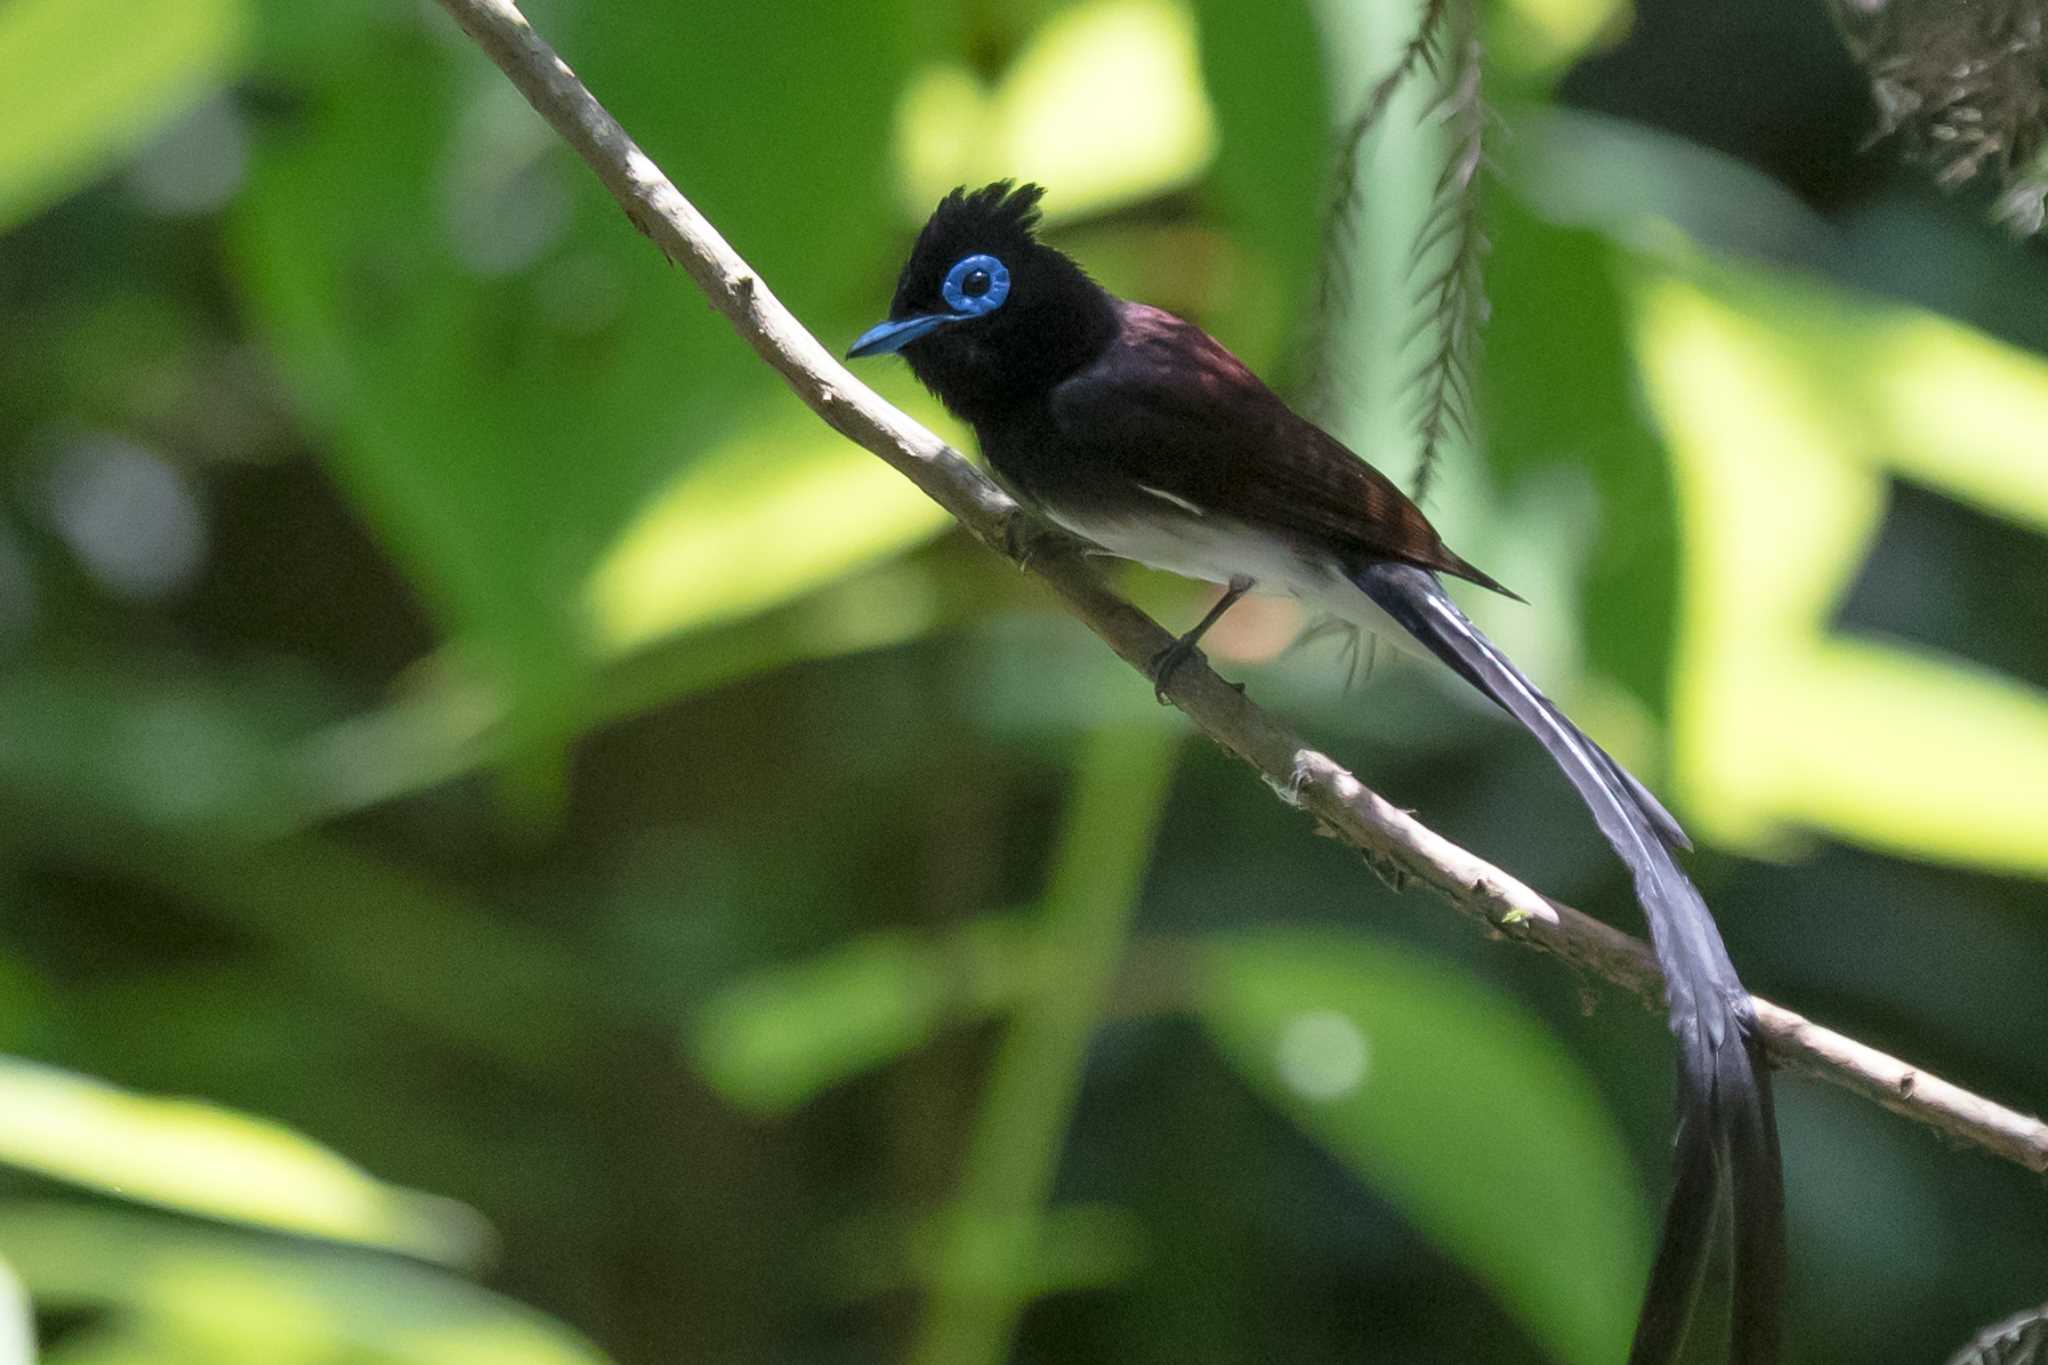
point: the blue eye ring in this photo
(987, 273)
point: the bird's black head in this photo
(987, 315)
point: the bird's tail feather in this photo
(1727, 1136)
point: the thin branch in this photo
(1302, 777)
(1124, 777)
(2020, 1339)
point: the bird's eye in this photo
(976, 285)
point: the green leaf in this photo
(779, 1036)
(1103, 105)
(180, 1293)
(691, 558)
(1454, 1104)
(88, 80)
(1270, 169)
(200, 1158)
(509, 376)
(1653, 190)
(784, 1034)
(1787, 408)
(1540, 38)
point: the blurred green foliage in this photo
(464, 728)
(1449, 1099)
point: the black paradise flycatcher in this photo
(1141, 433)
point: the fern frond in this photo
(1333, 281)
(1963, 87)
(1450, 304)
(1450, 244)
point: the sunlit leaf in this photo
(1786, 409)
(782, 1035)
(1455, 1105)
(1542, 36)
(781, 507)
(201, 1158)
(89, 79)
(128, 1343)
(1104, 105)
(231, 1297)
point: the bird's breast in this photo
(1194, 545)
(1217, 550)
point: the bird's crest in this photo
(997, 217)
(1004, 207)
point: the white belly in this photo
(1217, 550)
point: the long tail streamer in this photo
(1727, 1139)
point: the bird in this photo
(1138, 432)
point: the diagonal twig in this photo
(1300, 775)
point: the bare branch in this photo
(2019, 1339)
(1302, 777)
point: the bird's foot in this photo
(1168, 660)
(1022, 533)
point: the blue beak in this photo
(886, 338)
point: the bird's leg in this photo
(1183, 649)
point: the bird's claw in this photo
(1020, 537)
(1166, 662)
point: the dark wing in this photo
(1168, 407)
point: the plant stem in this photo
(982, 1282)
